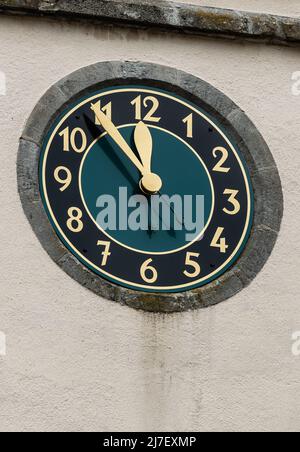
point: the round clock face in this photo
(146, 189)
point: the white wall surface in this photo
(282, 7)
(77, 362)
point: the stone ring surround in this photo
(263, 171)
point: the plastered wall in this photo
(75, 362)
(284, 8)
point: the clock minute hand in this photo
(112, 130)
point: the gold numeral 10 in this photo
(149, 101)
(72, 139)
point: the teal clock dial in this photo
(146, 189)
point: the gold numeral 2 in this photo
(219, 166)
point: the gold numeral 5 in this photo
(219, 242)
(219, 166)
(70, 139)
(150, 100)
(106, 252)
(147, 269)
(232, 199)
(74, 222)
(191, 263)
(65, 182)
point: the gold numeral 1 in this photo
(107, 109)
(106, 252)
(219, 242)
(191, 263)
(147, 270)
(189, 125)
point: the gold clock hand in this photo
(151, 183)
(144, 144)
(112, 130)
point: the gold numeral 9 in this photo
(66, 181)
(69, 139)
(74, 222)
(147, 270)
(191, 263)
(150, 100)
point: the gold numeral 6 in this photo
(147, 270)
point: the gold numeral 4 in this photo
(219, 241)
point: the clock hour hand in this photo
(151, 183)
(112, 130)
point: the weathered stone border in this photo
(264, 175)
(166, 15)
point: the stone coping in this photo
(167, 16)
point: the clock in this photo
(146, 186)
